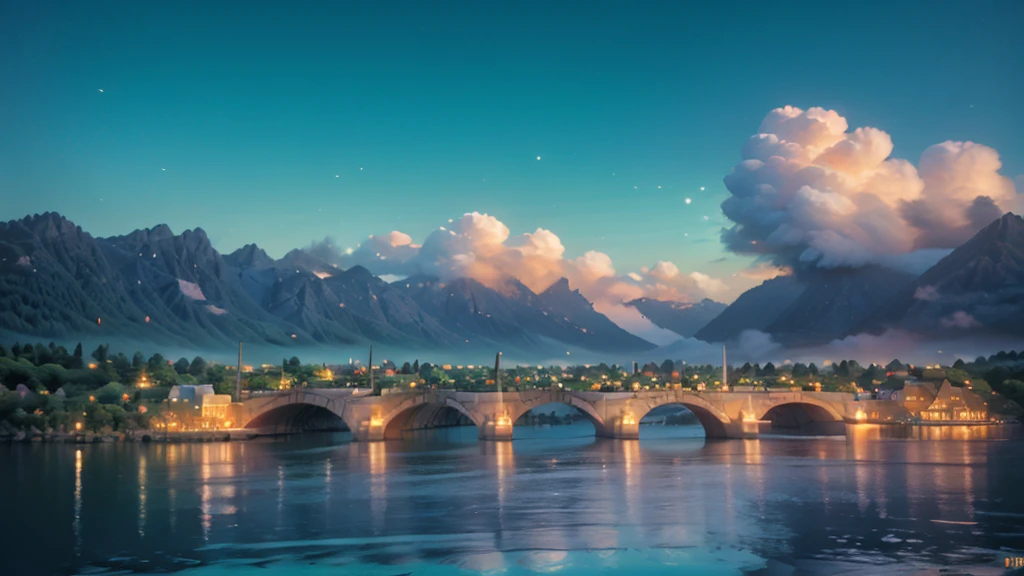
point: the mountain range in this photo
(58, 281)
(978, 289)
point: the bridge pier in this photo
(497, 430)
(620, 428)
(745, 428)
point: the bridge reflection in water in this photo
(544, 495)
(613, 415)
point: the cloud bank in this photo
(810, 193)
(481, 247)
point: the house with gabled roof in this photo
(916, 396)
(952, 404)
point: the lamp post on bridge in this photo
(502, 424)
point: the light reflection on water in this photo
(557, 500)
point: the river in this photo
(556, 500)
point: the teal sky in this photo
(236, 116)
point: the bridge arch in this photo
(804, 416)
(522, 426)
(583, 406)
(712, 419)
(420, 413)
(297, 411)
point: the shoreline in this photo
(138, 436)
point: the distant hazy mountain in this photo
(683, 318)
(585, 326)
(516, 314)
(978, 288)
(58, 281)
(834, 302)
(755, 309)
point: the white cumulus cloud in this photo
(809, 192)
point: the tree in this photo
(406, 368)
(97, 418)
(262, 382)
(156, 362)
(894, 366)
(667, 367)
(425, 370)
(44, 354)
(841, 369)
(138, 360)
(980, 386)
(294, 362)
(198, 367)
(1013, 389)
(101, 352)
(112, 393)
(181, 366)
(812, 368)
(769, 369)
(76, 361)
(800, 370)
(118, 417)
(416, 366)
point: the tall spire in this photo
(725, 374)
(497, 380)
(238, 375)
(373, 386)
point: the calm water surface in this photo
(556, 500)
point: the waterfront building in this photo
(200, 408)
(916, 396)
(953, 404)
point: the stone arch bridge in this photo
(613, 414)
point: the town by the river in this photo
(556, 499)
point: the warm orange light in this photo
(628, 419)
(124, 397)
(227, 423)
(503, 420)
(92, 398)
(78, 426)
(376, 420)
(860, 415)
(412, 384)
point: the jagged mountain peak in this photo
(978, 287)
(249, 256)
(359, 272)
(559, 286)
(683, 318)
